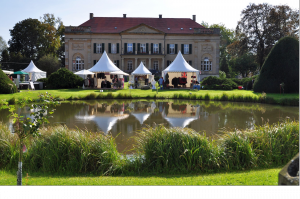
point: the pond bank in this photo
(159, 150)
(291, 99)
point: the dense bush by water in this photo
(159, 150)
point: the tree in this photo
(3, 46)
(27, 38)
(49, 64)
(244, 64)
(281, 66)
(34, 38)
(4, 59)
(25, 126)
(263, 24)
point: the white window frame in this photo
(155, 48)
(206, 65)
(113, 48)
(129, 65)
(142, 48)
(186, 49)
(130, 48)
(98, 48)
(78, 64)
(155, 65)
(172, 49)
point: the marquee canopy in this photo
(141, 70)
(34, 72)
(104, 65)
(180, 65)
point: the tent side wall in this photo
(36, 76)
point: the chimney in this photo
(160, 16)
(124, 15)
(91, 15)
(194, 17)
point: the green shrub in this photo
(63, 78)
(210, 80)
(6, 85)
(280, 66)
(44, 80)
(215, 83)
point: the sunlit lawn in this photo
(254, 177)
(66, 93)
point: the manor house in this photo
(154, 41)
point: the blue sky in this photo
(75, 12)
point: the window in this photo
(186, 49)
(129, 48)
(206, 65)
(113, 48)
(116, 62)
(142, 48)
(155, 65)
(172, 49)
(98, 48)
(78, 64)
(129, 65)
(155, 49)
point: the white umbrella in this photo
(84, 73)
(8, 72)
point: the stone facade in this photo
(156, 48)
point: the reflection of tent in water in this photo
(177, 119)
(142, 116)
(105, 123)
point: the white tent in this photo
(34, 72)
(180, 65)
(104, 65)
(120, 73)
(141, 70)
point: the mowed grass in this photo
(137, 93)
(251, 177)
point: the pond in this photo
(123, 118)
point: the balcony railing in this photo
(207, 31)
(77, 29)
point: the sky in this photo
(75, 12)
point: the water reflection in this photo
(124, 119)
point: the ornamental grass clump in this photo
(61, 150)
(175, 150)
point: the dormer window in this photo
(115, 27)
(181, 28)
(190, 28)
(168, 28)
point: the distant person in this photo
(161, 82)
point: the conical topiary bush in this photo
(280, 66)
(6, 85)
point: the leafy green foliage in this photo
(222, 74)
(243, 64)
(281, 66)
(6, 85)
(49, 64)
(63, 78)
(216, 83)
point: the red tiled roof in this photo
(108, 24)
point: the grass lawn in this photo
(136, 93)
(252, 177)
